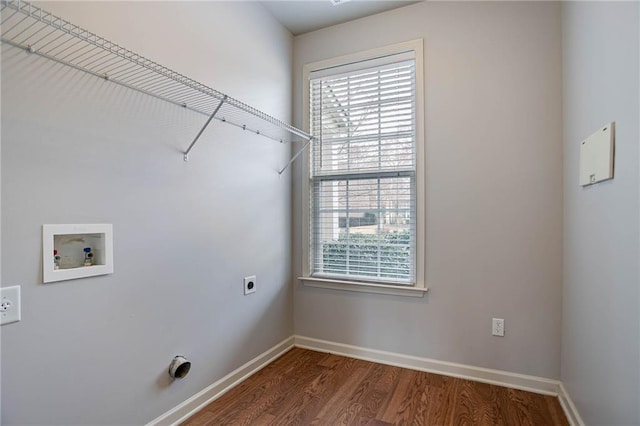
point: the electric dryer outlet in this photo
(250, 284)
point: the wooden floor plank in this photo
(394, 411)
(429, 389)
(273, 393)
(303, 408)
(340, 404)
(243, 396)
(375, 398)
(442, 402)
(305, 387)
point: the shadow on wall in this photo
(102, 101)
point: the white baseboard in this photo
(495, 377)
(485, 375)
(189, 407)
(569, 408)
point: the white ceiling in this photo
(302, 16)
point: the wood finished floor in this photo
(304, 387)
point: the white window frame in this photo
(419, 288)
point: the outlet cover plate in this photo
(250, 284)
(497, 328)
(9, 304)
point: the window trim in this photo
(420, 287)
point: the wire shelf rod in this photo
(42, 28)
(102, 77)
(79, 58)
(42, 48)
(124, 69)
(104, 60)
(27, 29)
(78, 50)
(162, 86)
(107, 62)
(202, 103)
(143, 81)
(31, 28)
(135, 73)
(69, 28)
(171, 87)
(152, 86)
(169, 93)
(98, 56)
(178, 92)
(9, 17)
(16, 24)
(71, 43)
(131, 71)
(35, 22)
(193, 98)
(80, 54)
(111, 68)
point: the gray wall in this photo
(494, 189)
(600, 338)
(76, 149)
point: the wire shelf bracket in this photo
(37, 31)
(186, 153)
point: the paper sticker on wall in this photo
(596, 156)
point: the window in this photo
(365, 174)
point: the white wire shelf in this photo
(28, 27)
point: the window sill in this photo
(363, 287)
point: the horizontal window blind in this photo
(363, 172)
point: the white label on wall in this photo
(596, 156)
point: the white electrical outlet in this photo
(250, 284)
(9, 304)
(498, 327)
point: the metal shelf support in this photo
(295, 157)
(186, 153)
